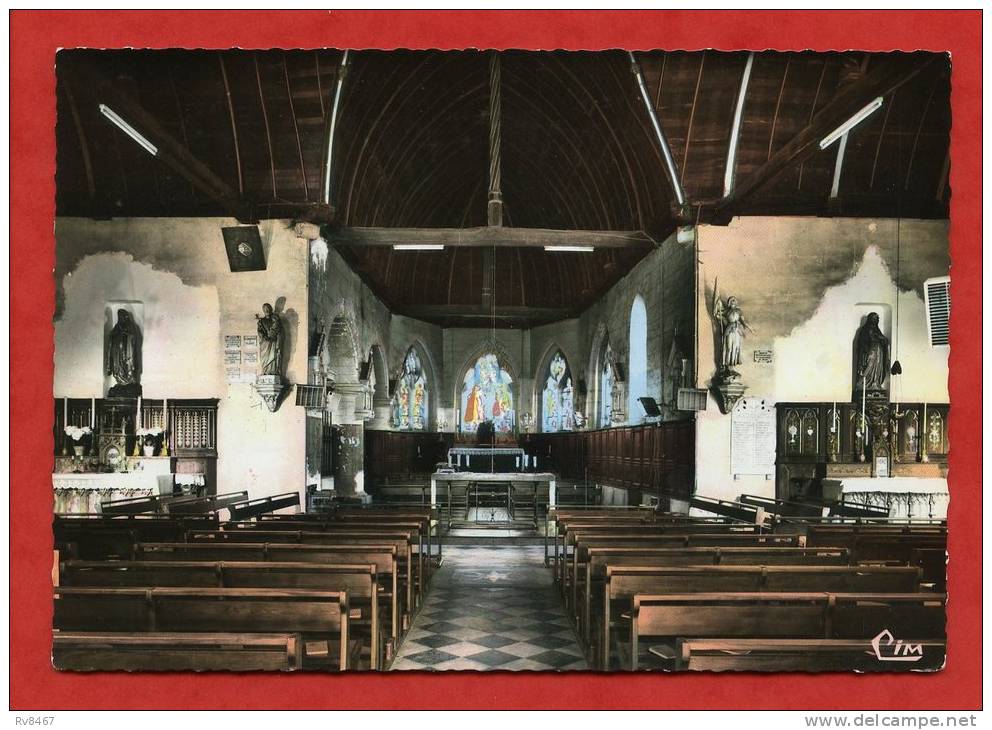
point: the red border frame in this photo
(35, 36)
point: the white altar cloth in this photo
(904, 496)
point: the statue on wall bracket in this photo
(730, 326)
(122, 357)
(270, 384)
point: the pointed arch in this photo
(487, 390)
(556, 392)
(412, 405)
(637, 365)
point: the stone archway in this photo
(347, 437)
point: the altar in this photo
(445, 478)
(905, 497)
(83, 493)
(490, 458)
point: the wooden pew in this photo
(671, 539)
(359, 581)
(662, 525)
(727, 508)
(211, 503)
(879, 543)
(622, 583)
(383, 557)
(257, 508)
(416, 528)
(563, 520)
(933, 563)
(559, 514)
(321, 617)
(95, 537)
(784, 508)
(798, 655)
(424, 517)
(783, 616)
(594, 560)
(175, 652)
(402, 540)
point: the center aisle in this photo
(491, 608)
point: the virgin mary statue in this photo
(123, 356)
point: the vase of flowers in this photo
(79, 436)
(150, 439)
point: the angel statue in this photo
(731, 320)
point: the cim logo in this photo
(890, 649)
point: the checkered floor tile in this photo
(491, 608)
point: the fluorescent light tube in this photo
(418, 247)
(128, 129)
(578, 249)
(854, 121)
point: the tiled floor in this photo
(491, 608)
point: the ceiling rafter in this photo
(496, 236)
(170, 151)
(888, 76)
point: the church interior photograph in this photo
(483, 360)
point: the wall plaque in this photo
(763, 356)
(752, 437)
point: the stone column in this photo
(348, 438)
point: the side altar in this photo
(117, 448)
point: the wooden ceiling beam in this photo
(487, 236)
(170, 151)
(476, 312)
(888, 76)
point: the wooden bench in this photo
(671, 540)
(879, 544)
(782, 615)
(654, 526)
(255, 508)
(798, 655)
(594, 560)
(359, 581)
(622, 583)
(383, 557)
(418, 530)
(402, 540)
(933, 563)
(425, 517)
(95, 537)
(321, 617)
(175, 652)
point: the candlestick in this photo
(92, 412)
(924, 457)
(137, 416)
(65, 424)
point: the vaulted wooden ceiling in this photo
(246, 133)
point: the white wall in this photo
(803, 286)
(178, 269)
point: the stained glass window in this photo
(557, 406)
(410, 400)
(606, 386)
(487, 395)
(637, 380)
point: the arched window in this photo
(487, 395)
(637, 379)
(605, 385)
(557, 406)
(410, 400)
